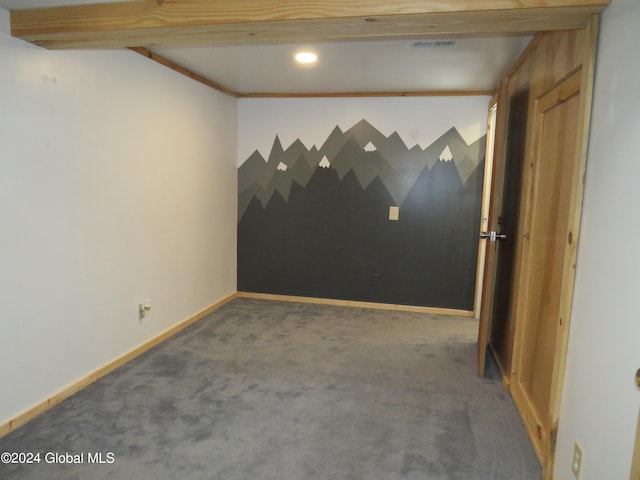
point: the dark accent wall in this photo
(315, 222)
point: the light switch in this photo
(394, 213)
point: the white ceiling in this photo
(354, 66)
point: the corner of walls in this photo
(600, 401)
(118, 183)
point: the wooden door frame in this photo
(489, 157)
(537, 423)
(546, 452)
(489, 269)
(635, 462)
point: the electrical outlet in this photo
(144, 308)
(576, 463)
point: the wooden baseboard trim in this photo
(65, 393)
(356, 304)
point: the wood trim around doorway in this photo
(549, 84)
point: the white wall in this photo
(418, 120)
(600, 402)
(117, 183)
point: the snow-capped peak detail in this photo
(324, 163)
(446, 155)
(370, 147)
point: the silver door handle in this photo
(493, 236)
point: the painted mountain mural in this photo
(315, 221)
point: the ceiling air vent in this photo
(434, 44)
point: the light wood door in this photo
(541, 336)
(486, 265)
(486, 198)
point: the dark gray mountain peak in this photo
(298, 151)
(255, 192)
(333, 143)
(254, 170)
(276, 151)
(363, 133)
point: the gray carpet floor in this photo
(275, 390)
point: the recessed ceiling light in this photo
(306, 57)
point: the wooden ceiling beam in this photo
(148, 23)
